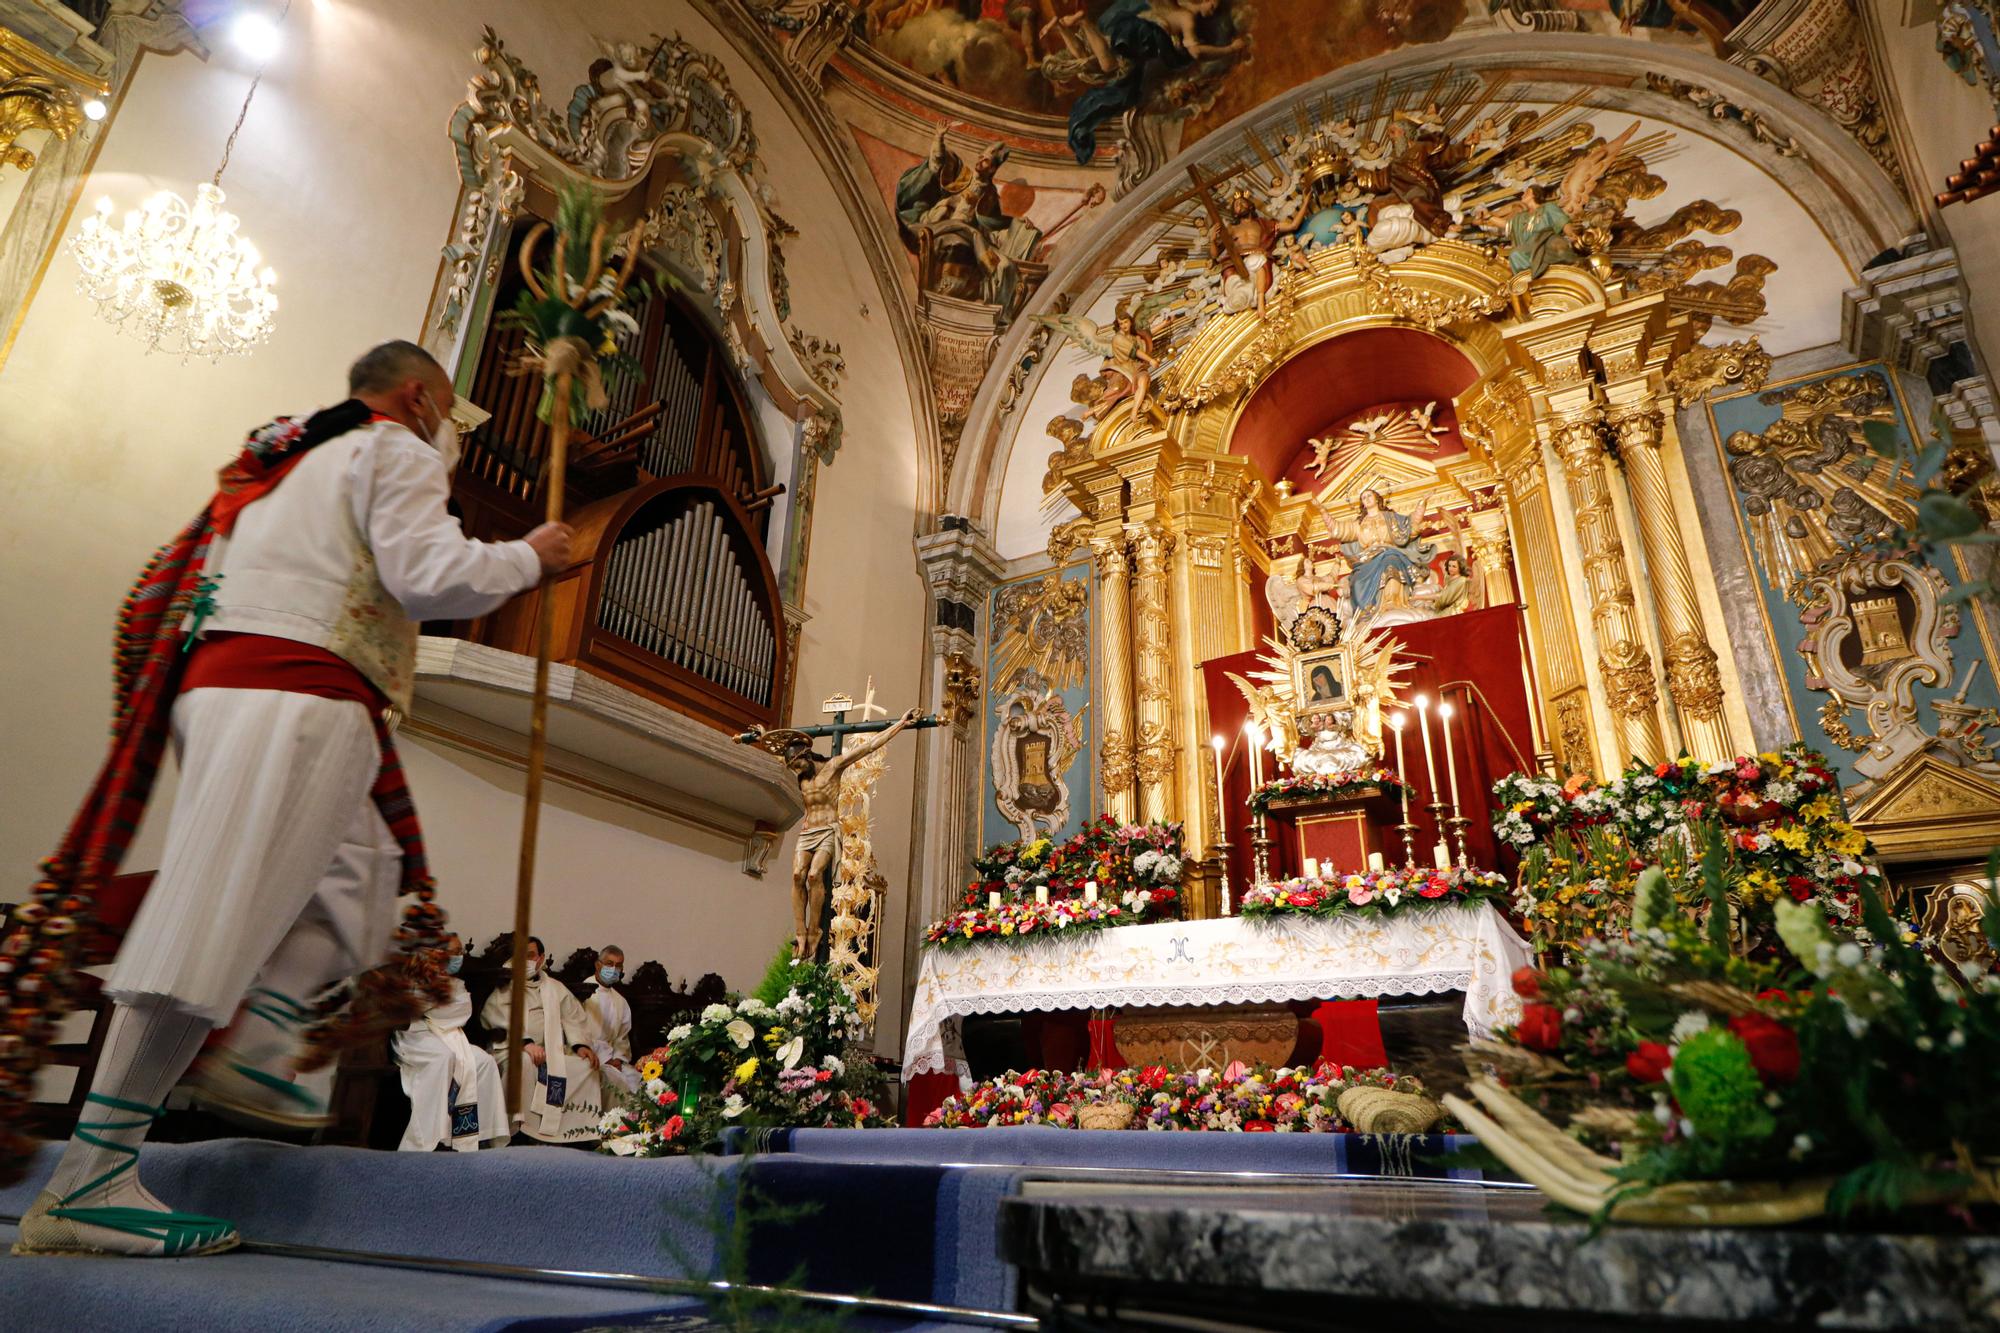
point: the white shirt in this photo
(286, 568)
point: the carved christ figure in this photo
(818, 854)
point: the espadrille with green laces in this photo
(113, 1214)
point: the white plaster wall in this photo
(344, 178)
(1946, 120)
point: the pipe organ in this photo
(673, 587)
(673, 594)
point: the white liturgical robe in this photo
(456, 1097)
(613, 1016)
(562, 1101)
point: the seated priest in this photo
(613, 1016)
(563, 1102)
(456, 1098)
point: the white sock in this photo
(266, 1030)
(146, 1048)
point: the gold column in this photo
(1494, 417)
(1153, 748)
(1626, 666)
(1693, 680)
(1114, 609)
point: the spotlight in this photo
(255, 35)
(95, 109)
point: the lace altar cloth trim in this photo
(1227, 961)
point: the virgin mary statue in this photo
(1384, 551)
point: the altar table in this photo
(1226, 961)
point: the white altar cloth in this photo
(1227, 961)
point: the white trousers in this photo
(278, 869)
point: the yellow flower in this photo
(1761, 884)
(1847, 840)
(1819, 807)
(1790, 835)
(747, 1070)
(649, 1070)
(1768, 757)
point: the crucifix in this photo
(817, 857)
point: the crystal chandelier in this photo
(179, 275)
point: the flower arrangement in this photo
(793, 1061)
(1323, 784)
(1787, 837)
(1837, 1076)
(1238, 1099)
(1019, 920)
(1137, 869)
(1378, 893)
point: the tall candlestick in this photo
(1450, 763)
(1406, 828)
(1221, 828)
(1424, 725)
(1255, 736)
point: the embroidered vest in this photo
(374, 634)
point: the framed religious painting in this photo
(1320, 685)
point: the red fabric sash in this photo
(265, 662)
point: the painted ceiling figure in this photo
(1384, 549)
(951, 219)
(1128, 39)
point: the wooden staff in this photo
(545, 624)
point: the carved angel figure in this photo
(1128, 357)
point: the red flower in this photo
(1259, 1127)
(1527, 983)
(672, 1129)
(1800, 886)
(1152, 1078)
(1649, 1063)
(1540, 1028)
(1774, 1048)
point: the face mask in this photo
(608, 975)
(534, 969)
(444, 437)
(453, 963)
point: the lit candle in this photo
(1396, 725)
(1450, 763)
(1042, 894)
(1090, 890)
(1312, 868)
(993, 901)
(1256, 739)
(1424, 725)
(1441, 855)
(1375, 862)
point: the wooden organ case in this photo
(672, 593)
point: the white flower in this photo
(1686, 1128)
(835, 1064)
(1955, 1040)
(655, 1086)
(733, 1107)
(753, 1006)
(680, 1033)
(789, 1053)
(717, 1013)
(740, 1032)
(1663, 1112)
(612, 1122)
(1689, 1023)
(1848, 954)
(1801, 1145)
(627, 1145)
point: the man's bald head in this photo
(403, 382)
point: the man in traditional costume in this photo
(270, 638)
(566, 1100)
(613, 1016)
(456, 1098)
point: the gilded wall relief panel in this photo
(1040, 681)
(1882, 667)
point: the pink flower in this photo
(1360, 894)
